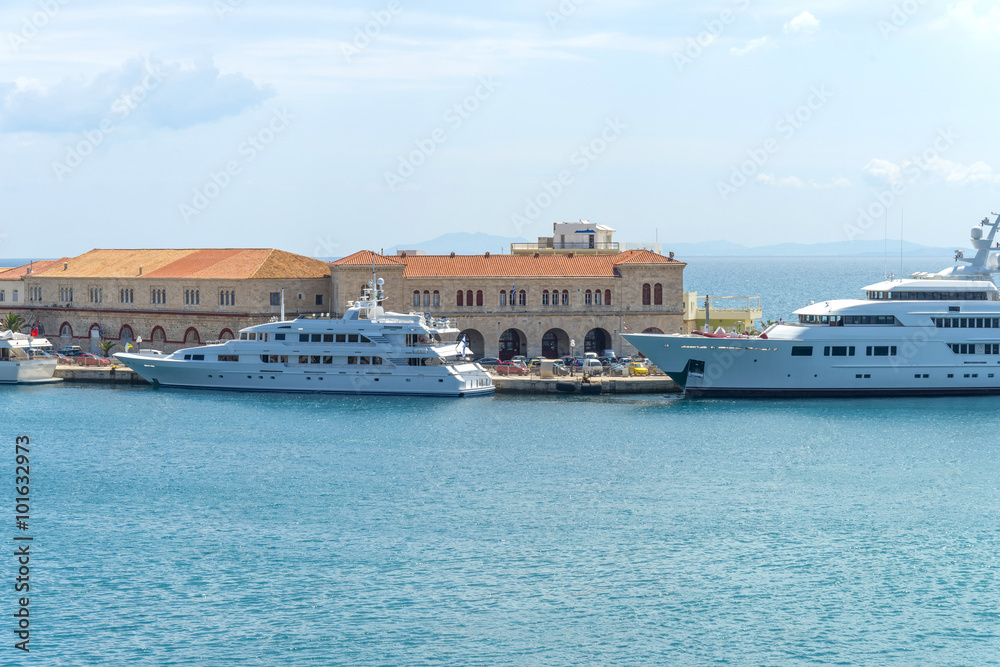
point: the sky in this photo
(323, 128)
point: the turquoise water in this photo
(198, 528)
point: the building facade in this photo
(540, 305)
(168, 298)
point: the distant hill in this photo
(834, 249)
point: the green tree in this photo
(106, 347)
(12, 322)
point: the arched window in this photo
(588, 298)
(416, 297)
(192, 336)
(437, 298)
(522, 298)
(125, 335)
(646, 300)
(66, 331)
(607, 297)
(555, 297)
(226, 334)
(545, 297)
(3, 295)
(597, 297)
(479, 297)
(565, 297)
(658, 295)
(503, 297)
(427, 298)
(15, 296)
(459, 298)
(468, 297)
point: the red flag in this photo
(34, 332)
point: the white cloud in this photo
(979, 18)
(796, 182)
(881, 173)
(754, 44)
(178, 96)
(803, 24)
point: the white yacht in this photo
(24, 359)
(931, 333)
(367, 351)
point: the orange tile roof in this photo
(212, 263)
(364, 258)
(509, 266)
(36, 267)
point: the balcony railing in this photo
(515, 247)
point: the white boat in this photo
(932, 334)
(24, 359)
(367, 351)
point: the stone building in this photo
(169, 298)
(536, 305)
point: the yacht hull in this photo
(423, 381)
(28, 371)
(763, 368)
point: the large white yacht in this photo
(931, 333)
(367, 351)
(24, 359)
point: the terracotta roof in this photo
(220, 264)
(364, 258)
(509, 266)
(36, 267)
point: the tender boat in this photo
(931, 333)
(24, 359)
(367, 351)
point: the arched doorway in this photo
(95, 339)
(226, 334)
(191, 337)
(555, 343)
(512, 342)
(597, 340)
(159, 338)
(475, 342)
(125, 336)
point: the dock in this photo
(99, 375)
(513, 384)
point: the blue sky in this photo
(323, 128)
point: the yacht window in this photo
(303, 338)
(327, 360)
(187, 357)
(244, 336)
(317, 338)
(253, 336)
(364, 340)
(366, 361)
(327, 338)
(376, 361)
(352, 338)
(264, 359)
(314, 360)
(229, 357)
(303, 359)
(352, 360)
(802, 351)
(279, 336)
(198, 357)
(341, 338)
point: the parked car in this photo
(71, 351)
(510, 368)
(568, 360)
(638, 368)
(88, 359)
(488, 361)
(591, 366)
(520, 358)
(616, 369)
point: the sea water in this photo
(175, 527)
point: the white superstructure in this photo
(23, 359)
(927, 334)
(367, 351)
